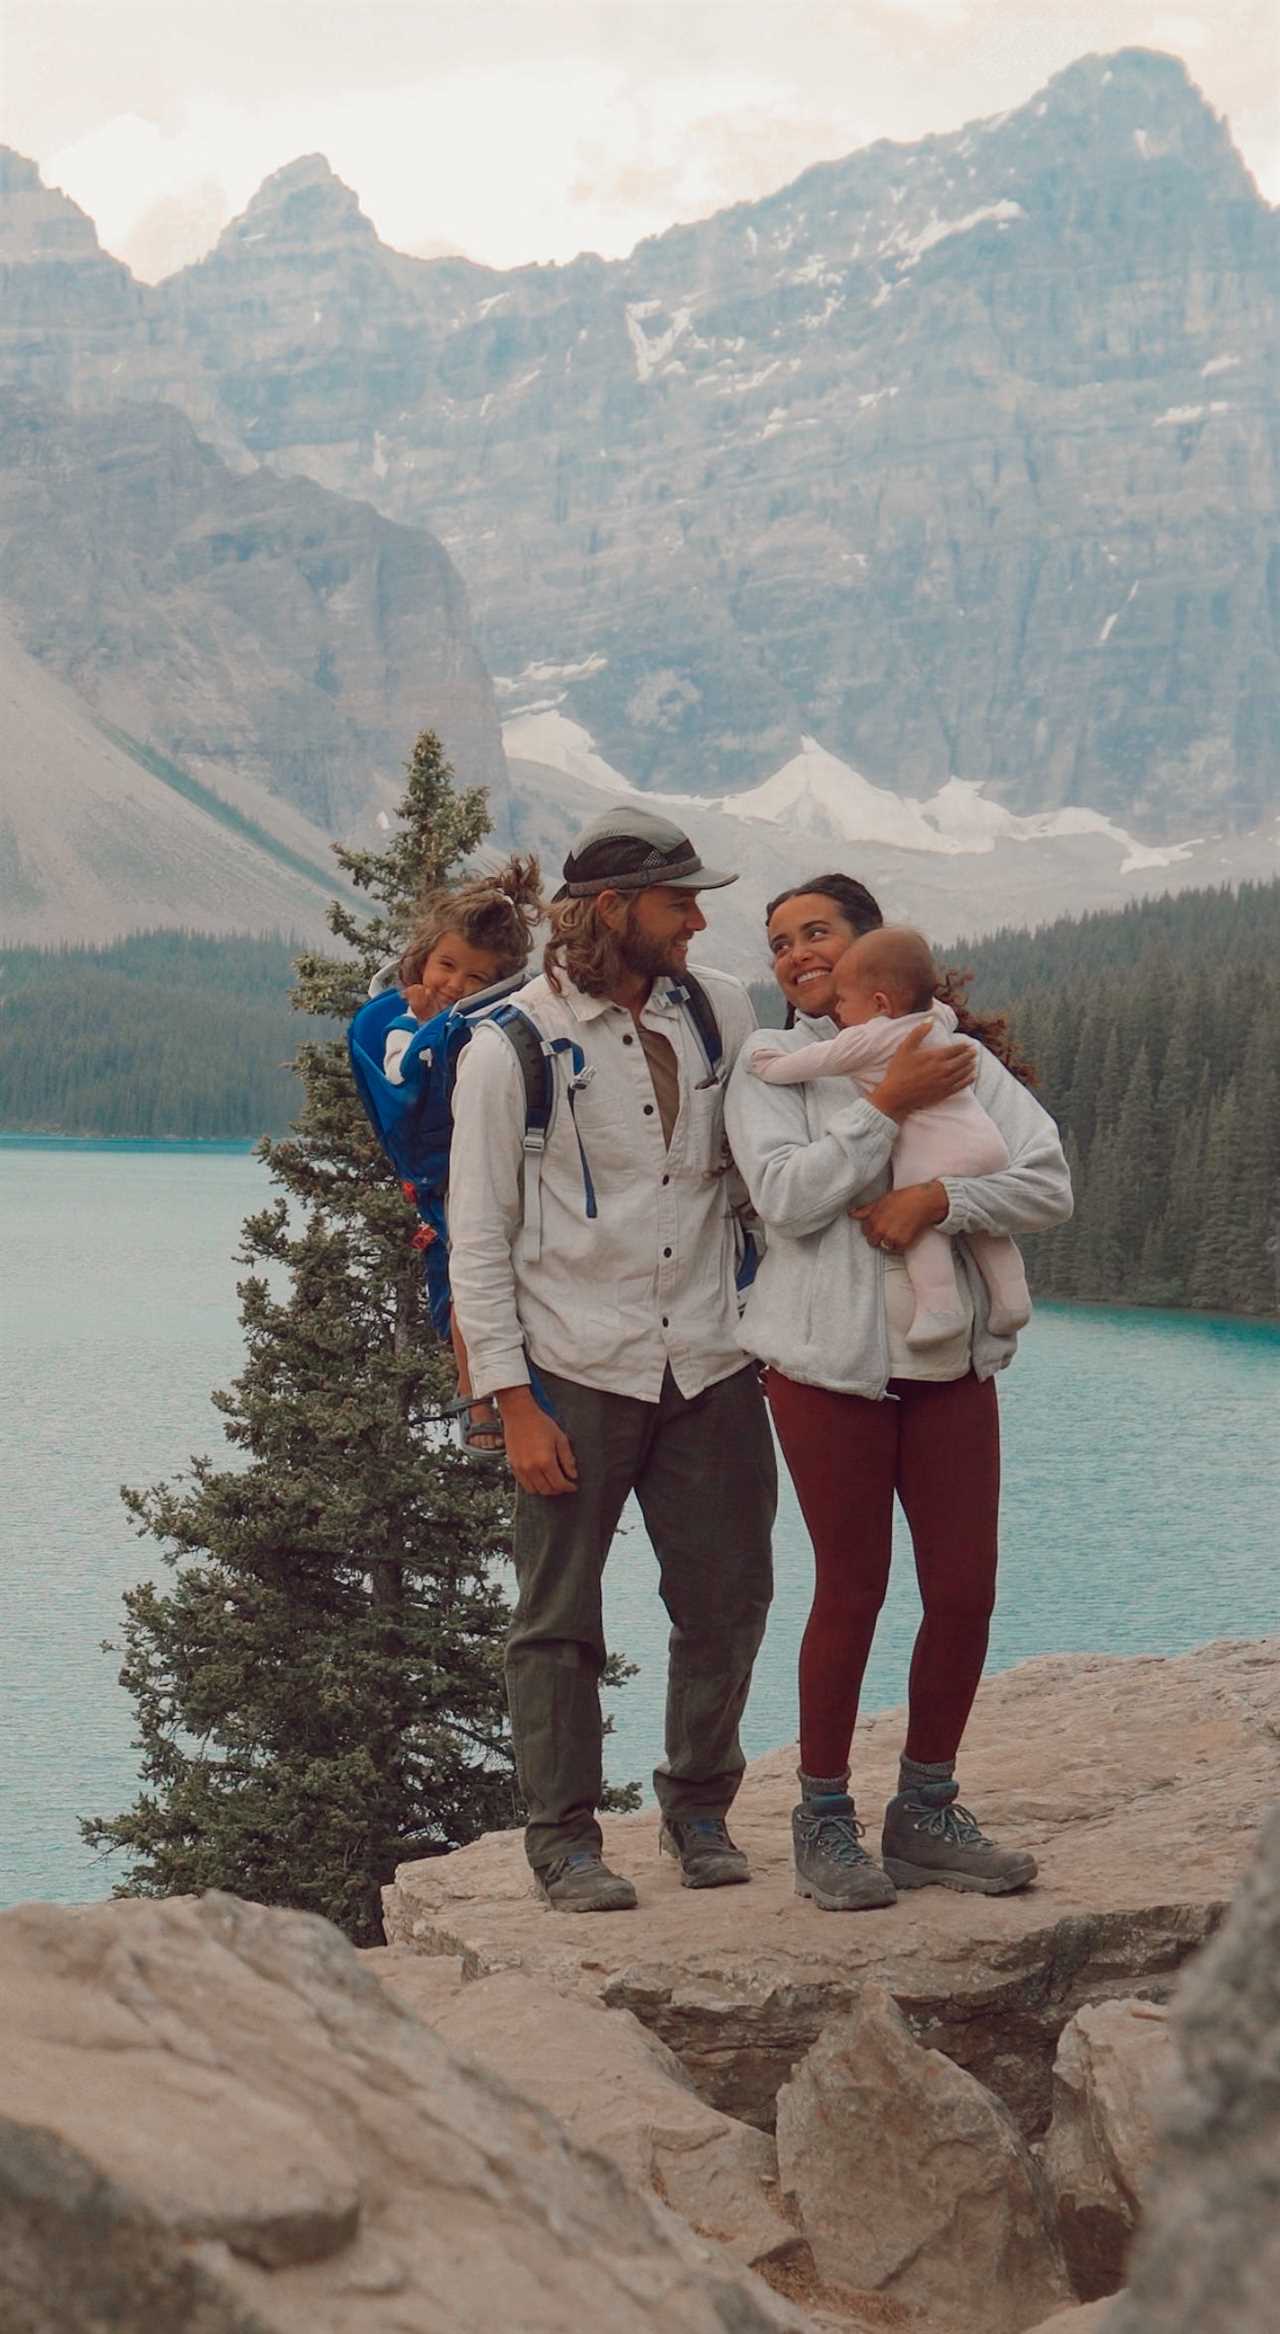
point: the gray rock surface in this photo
(1114, 2060)
(615, 2087)
(912, 2180)
(95, 841)
(258, 634)
(1123, 1776)
(214, 2121)
(1207, 2257)
(958, 456)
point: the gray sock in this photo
(933, 1780)
(815, 1787)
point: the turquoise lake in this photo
(1142, 1483)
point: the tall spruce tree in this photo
(319, 1693)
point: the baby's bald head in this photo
(893, 964)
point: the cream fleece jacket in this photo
(809, 1153)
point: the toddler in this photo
(465, 938)
(884, 990)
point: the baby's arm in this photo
(832, 1057)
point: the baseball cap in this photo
(631, 849)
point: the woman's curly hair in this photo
(861, 911)
(499, 912)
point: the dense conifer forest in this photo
(1155, 1033)
(1154, 1030)
(167, 1034)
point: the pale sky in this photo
(534, 129)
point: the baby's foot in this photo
(934, 1329)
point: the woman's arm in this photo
(1034, 1190)
(799, 1183)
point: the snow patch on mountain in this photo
(561, 744)
(912, 248)
(818, 795)
(649, 354)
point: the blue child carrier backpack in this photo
(413, 1118)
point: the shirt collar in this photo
(664, 997)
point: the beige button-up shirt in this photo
(610, 1300)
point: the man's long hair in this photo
(582, 949)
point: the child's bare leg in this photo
(1001, 1266)
(931, 1270)
(484, 1426)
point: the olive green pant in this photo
(704, 1475)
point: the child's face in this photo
(856, 999)
(452, 971)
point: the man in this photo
(604, 1284)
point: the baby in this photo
(884, 990)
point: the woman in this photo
(860, 1416)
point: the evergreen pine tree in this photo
(320, 1693)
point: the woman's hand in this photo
(896, 1220)
(917, 1077)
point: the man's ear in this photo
(611, 908)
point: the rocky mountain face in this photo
(259, 631)
(958, 457)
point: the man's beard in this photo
(647, 958)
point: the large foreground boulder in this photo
(1207, 2257)
(213, 2120)
(912, 2180)
(1126, 1777)
(1114, 2061)
(615, 2087)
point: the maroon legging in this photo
(938, 1447)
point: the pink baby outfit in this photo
(949, 1138)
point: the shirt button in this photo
(628, 1039)
(666, 1179)
(666, 1251)
(665, 1323)
(648, 1110)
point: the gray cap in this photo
(631, 849)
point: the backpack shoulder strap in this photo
(702, 1013)
(533, 1057)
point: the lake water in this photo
(1142, 1483)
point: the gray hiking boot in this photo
(930, 1841)
(832, 1866)
(707, 1856)
(582, 1883)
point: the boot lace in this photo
(955, 1824)
(836, 1838)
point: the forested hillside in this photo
(1156, 1036)
(165, 1034)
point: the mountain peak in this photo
(303, 206)
(39, 222)
(1143, 100)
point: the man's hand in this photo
(897, 1219)
(916, 1077)
(539, 1453)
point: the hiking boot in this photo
(582, 1883)
(930, 1841)
(707, 1855)
(832, 1866)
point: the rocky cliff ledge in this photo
(1136, 1783)
(216, 2119)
